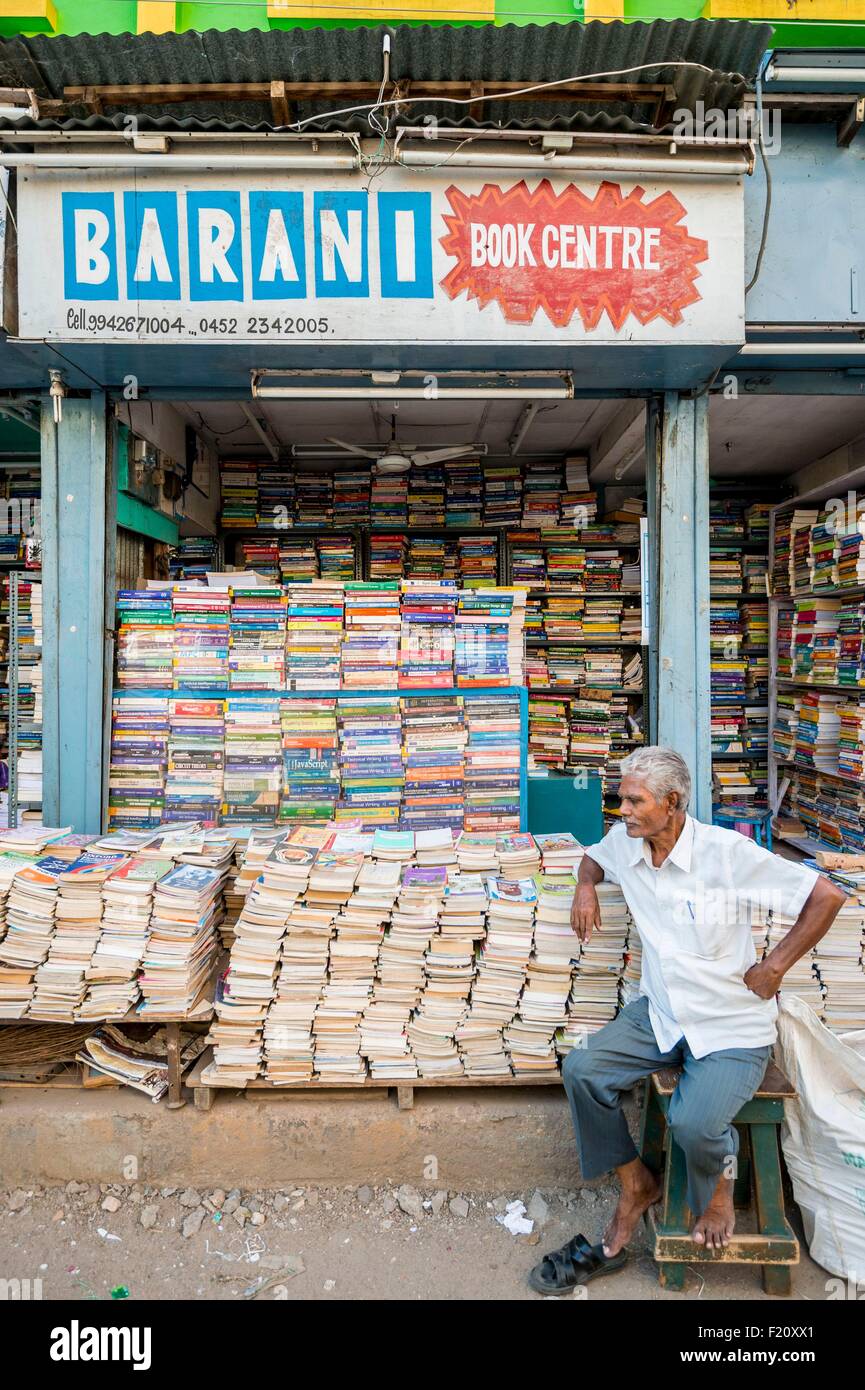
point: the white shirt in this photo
(694, 918)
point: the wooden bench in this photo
(757, 1188)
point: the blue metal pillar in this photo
(79, 503)
(683, 665)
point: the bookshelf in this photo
(356, 697)
(816, 788)
(739, 539)
(569, 721)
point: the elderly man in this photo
(704, 1003)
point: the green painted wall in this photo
(119, 17)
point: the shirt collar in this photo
(680, 854)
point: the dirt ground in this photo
(85, 1241)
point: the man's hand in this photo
(586, 911)
(764, 979)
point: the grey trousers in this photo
(711, 1091)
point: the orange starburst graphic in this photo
(568, 253)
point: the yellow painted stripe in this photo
(605, 10)
(29, 9)
(837, 10)
(379, 9)
(156, 17)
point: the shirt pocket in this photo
(704, 931)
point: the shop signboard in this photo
(415, 257)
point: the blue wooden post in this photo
(79, 509)
(683, 601)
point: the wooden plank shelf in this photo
(204, 1092)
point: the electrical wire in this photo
(505, 96)
(768, 205)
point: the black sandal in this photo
(575, 1263)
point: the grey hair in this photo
(662, 770)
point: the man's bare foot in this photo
(640, 1188)
(715, 1227)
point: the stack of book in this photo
(180, 954)
(351, 497)
(823, 552)
(838, 965)
(464, 493)
(449, 968)
(427, 559)
(201, 638)
(370, 649)
(726, 519)
(389, 500)
(851, 643)
(345, 995)
(310, 741)
(562, 616)
(501, 975)
(548, 731)
(336, 558)
(565, 557)
(725, 571)
(757, 519)
(314, 635)
(426, 650)
(579, 505)
(434, 739)
(139, 757)
(196, 760)
(542, 489)
(489, 637)
(253, 758)
(595, 989)
(127, 904)
(370, 761)
(314, 493)
(815, 640)
(528, 563)
(851, 739)
(239, 487)
(302, 967)
(298, 559)
(145, 638)
(478, 561)
(799, 563)
(256, 659)
(818, 731)
(276, 496)
(388, 555)
(30, 909)
(503, 494)
(60, 983)
(851, 554)
(492, 763)
(543, 1007)
(383, 1026)
(590, 735)
(426, 497)
(260, 555)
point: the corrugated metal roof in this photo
(428, 53)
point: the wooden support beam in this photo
(165, 93)
(92, 98)
(279, 104)
(476, 110)
(852, 123)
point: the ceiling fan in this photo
(399, 458)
